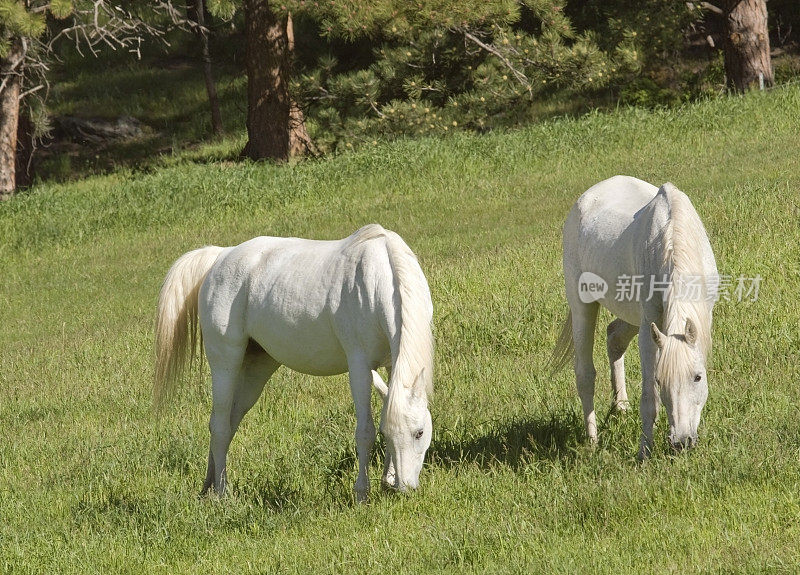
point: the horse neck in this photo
(684, 237)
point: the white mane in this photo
(415, 350)
(413, 356)
(684, 235)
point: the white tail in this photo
(565, 347)
(176, 319)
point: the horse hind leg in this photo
(257, 367)
(620, 333)
(225, 359)
(232, 398)
(584, 320)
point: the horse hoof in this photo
(621, 406)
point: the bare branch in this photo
(518, 74)
(104, 24)
(376, 110)
(31, 91)
(90, 27)
(711, 8)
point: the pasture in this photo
(91, 481)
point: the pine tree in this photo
(18, 28)
(275, 123)
(470, 63)
(438, 66)
(747, 55)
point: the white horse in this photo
(318, 307)
(643, 253)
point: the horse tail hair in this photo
(565, 347)
(415, 351)
(177, 320)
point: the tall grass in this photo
(91, 481)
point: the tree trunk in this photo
(211, 88)
(10, 86)
(746, 45)
(267, 60)
(25, 147)
(299, 141)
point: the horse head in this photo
(680, 374)
(407, 428)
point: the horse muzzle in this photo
(681, 442)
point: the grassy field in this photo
(92, 482)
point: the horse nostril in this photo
(684, 443)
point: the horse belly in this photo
(628, 311)
(307, 347)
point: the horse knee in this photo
(365, 435)
(585, 376)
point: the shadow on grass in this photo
(515, 443)
(276, 492)
(63, 160)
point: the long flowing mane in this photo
(415, 353)
(412, 358)
(689, 292)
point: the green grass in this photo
(92, 482)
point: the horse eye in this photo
(697, 378)
(418, 434)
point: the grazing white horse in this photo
(643, 253)
(318, 307)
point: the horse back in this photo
(307, 303)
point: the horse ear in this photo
(377, 381)
(658, 337)
(690, 332)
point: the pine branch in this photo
(518, 74)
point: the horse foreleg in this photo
(584, 320)
(619, 334)
(389, 477)
(361, 388)
(648, 408)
